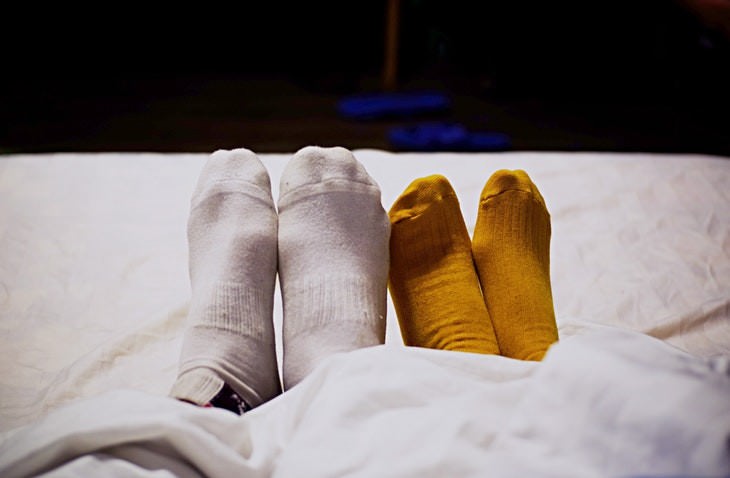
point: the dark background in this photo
(649, 76)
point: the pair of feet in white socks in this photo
(329, 245)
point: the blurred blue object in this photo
(446, 137)
(382, 105)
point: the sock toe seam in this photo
(228, 186)
(532, 195)
(323, 187)
(402, 214)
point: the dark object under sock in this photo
(228, 399)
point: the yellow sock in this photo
(511, 248)
(433, 283)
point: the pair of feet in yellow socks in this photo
(489, 294)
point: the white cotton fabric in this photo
(333, 259)
(605, 402)
(94, 293)
(232, 243)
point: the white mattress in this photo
(94, 292)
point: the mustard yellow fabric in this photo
(490, 294)
(511, 248)
(433, 282)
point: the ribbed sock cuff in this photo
(199, 386)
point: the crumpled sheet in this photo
(605, 402)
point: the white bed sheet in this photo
(94, 287)
(605, 402)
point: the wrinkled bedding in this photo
(94, 292)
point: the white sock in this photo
(232, 238)
(333, 258)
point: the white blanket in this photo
(94, 293)
(603, 403)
